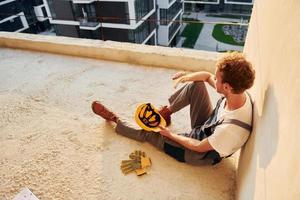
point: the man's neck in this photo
(235, 101)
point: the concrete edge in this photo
(175, 58)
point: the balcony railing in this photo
(84, 24)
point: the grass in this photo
(191, 32)
(219, 35)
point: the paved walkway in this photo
(205, 40)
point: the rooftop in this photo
(53, 143)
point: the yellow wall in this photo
(269, 164)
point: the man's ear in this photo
(227, 87)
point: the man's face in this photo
(222, 88)
(219, 84)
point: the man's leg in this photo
(195, 158)
(164, 144)
(125, 129)
(194, 94)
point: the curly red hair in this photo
(236, 71)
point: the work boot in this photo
(103, 112)
(166, 114)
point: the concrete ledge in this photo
(176, 58)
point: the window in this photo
(142, 8)
(173, 28)
(142, 32)
(166, 15)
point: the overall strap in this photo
(241, 123)
(219, 102)
(238, 123)
(213, 117)
(214, 155)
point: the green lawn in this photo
(191, 32)
(219, 35)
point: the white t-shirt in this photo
(228, 138)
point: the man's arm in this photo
(189, 143)
(198, 76)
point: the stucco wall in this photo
(269, 164)
(183, 59)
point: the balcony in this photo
(86, 25)
(52, 143)
(67, 151)
(83, 1)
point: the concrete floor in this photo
(52, 143)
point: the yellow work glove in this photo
(136, 155)
(138, 162)
(128, 166)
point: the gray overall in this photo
(203, 122)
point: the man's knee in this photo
(197, 88)
(198, 85)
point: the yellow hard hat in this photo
(148, 118)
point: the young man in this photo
(215, 133)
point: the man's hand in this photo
(178, 75)
(165, 131)
(182, 77)
(189, 143)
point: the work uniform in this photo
(226, 130)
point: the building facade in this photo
(27, 16)
(153, 22)
(169, 23)
(123, 20)
(243, 7)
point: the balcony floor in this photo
(52, 143)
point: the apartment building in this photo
(28, 16)
(118, 20)
(170, 17)
(220, 6)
